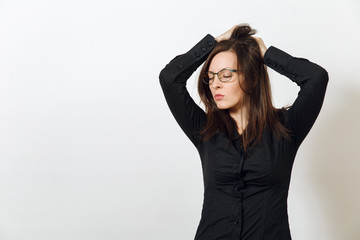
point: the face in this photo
(231, 91)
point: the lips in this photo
(218, 96)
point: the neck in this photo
(240, 116)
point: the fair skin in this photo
(231, 89)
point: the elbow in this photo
(322, 76)
(163, 76)
(166, 79)
(167, 76)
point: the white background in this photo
(89, 148)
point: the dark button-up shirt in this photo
(245, 197)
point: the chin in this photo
(220, 106)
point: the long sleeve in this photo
(312, 80)
(173, 79)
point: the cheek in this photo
(235, 92)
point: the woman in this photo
(246, 145)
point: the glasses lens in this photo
(225, 75)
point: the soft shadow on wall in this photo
(335, 173)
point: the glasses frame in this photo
(213, 78)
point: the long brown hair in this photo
(257, 98)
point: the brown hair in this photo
(257, 98)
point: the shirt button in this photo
(236, 221)
(241, 185)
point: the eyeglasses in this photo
(224, 75)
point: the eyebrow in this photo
(220, 69)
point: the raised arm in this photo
(173, 79)
(312, 80)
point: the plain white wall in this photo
(90, 150)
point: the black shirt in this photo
(245, 197)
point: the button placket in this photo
(239, 188)
(238, 194)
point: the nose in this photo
(216, 83)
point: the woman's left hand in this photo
(262, 46)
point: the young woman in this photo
(246, 145)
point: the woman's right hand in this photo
(262, 46)
(226, 35)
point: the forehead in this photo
(223, 60)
